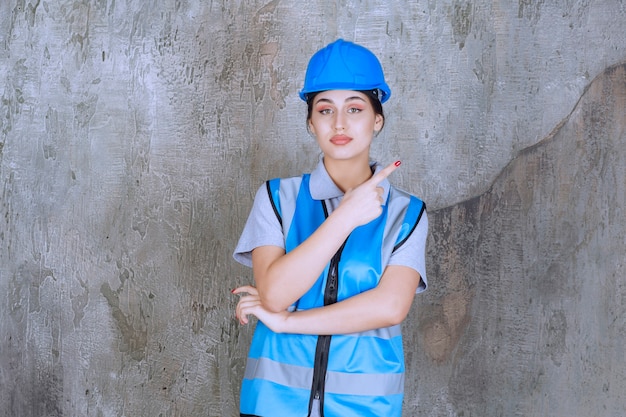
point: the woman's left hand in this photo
(250, 304)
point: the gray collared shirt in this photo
(263, 228)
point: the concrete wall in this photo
(133, 135)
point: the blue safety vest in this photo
(360, 374)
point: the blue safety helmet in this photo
(344, 65)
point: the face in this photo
(344, 123)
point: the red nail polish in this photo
(397, 163)
(233, 290)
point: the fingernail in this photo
(397, 163)
(233, 290)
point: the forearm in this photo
(386, 305)
(281, 280)
(349, 316)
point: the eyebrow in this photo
(327, 100)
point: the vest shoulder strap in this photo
(283, 193)
(412, 217)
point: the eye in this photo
(354, 110)
(325, 110)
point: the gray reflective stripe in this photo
(364, 384)
(289, 375)
(397, 206)
(336, 382)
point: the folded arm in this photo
(385, 305)
(282, 278)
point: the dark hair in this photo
(372, 96)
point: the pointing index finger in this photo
(385, 172)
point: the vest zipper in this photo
(323, 341)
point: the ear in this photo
(311, 128)
(379, 122)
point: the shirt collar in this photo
(322, 187)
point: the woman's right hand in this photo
(363, 204)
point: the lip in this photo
(340, 140)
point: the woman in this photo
(337, 257)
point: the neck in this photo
(348, 174)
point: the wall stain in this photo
(77, 19)
(13, 97)
(85, 110)
(444, 323)
(31, 11)
(53, 131)
(556, 331)
(133, 333)
(79, 302)
(530, 9)
(462, 16)
(46, 393)
(266, 52)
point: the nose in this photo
(340, 121)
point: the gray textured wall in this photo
(134, 133)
